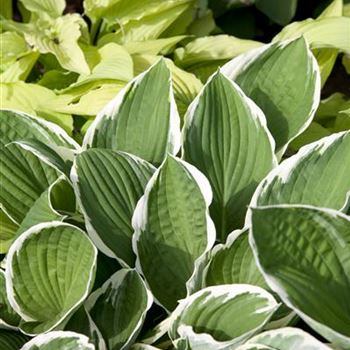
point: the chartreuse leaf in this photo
(50, 271)
(172, 229)
(11, 340)
(283, 339)
(305, 177)
(142, 119)
(59, 340)
(13, 47)
(225, 136)
(23, 176)
(8, 230)
(60, 36)
(221, 317)
(310, 269)
(203, 56)
(329, 32)
(108, 185)
(8, 316)
(119, 308)
(53, 8)
(277, 77)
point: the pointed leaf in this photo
(221, 317)
(59, 340)
(142, 119)
(172, 229)
(225, 136)
(277, 77)
(310, 269)
(304, 177)
(108, 185)
(119, 308)
(50, 270)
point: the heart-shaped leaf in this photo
(283, 79)
(142, 119)
(221, 317)
(50, 270)
(172, 229)
(108, 185)
(310, 269)
(225, 136)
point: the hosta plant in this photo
(165, 232)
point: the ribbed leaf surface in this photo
(50, 270)
(225, 136)
(108, 185)
(310, 269)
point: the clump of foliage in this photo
(187, 217)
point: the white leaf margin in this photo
(326, 331)
(238, 64)
(15, 248)
(257, 114)
(139, 219)
(112, 109)
(199, 341)
(46, 338)
(118, 279)
(93, 234)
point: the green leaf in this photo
(310, 269)
(139, 346)
(11, 340)
(23, 176)
(108, 185)
(330, 32)
(8, 317)
(172, 229)
(305, 177)
(119, 308)
(8, 230)
(13, 47)
(221, 317)
(60, 37)
(59, 340)
(50, 271)
(283, 339)
(277, 77)
(141, 120)
(225, 136)
(279, 12)
(53, 8)
(203, 56)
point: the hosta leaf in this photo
(53, 8)
(108, 185)
(221, 317)
(81, 322)
(139, 346)
(14, 47)
(225, 136)
(60, 37)
(172, 229)
(310, 269)
(119, 308)
(279, 12)
(203, 56)
(10, 340)
(23, 176)
(304, 177)
(50, 270)
(284, 339)
(142, 119)
(331, 32)
(8, 230)
(277, 77)
(7, 315)
(59, 340)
